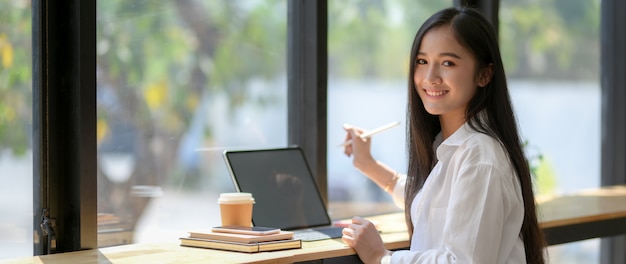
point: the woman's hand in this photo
(364, 238)
(359, 149)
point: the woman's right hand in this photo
(362, 159)
(359, 149)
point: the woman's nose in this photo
(432, 76)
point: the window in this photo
(551, 51)
(369, 43)
(154, 82)
(179, 82)
(16, 162)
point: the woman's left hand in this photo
(364, 238)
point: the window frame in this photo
(64, 124)
(307, 84)
(613, 125)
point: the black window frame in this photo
(64, 109)
(64, 124)
(613, 125)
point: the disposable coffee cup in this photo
(236, 208)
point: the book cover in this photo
(241, 238)
(241, 247)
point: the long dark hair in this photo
(488, 112)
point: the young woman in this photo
(468, 194)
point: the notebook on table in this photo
(284, 190)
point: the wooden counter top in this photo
(583, 215)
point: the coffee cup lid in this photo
(235, 198)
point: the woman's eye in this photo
(447, 63)
(420, 61)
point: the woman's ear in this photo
(485, 74)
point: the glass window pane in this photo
(16, 158)
(178, 83)
(369, 43)
(551, 51)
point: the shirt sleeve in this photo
(474, 227)
(398, 191)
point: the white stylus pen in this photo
(372, 132)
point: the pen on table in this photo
(372, 132)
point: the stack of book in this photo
(241, 242)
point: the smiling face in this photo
(446, 75)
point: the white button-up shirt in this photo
(470, 209)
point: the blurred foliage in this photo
(370, 39)
(158, 63)
(551, 39)
(545, 177)
(167, 54)
(158, 58)
(541, 169)
(15, 76)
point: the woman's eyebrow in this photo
(449, 54)
(443, 54)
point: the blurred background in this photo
(178, 82)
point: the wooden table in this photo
(583, 215)
(588, 214)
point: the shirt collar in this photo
(457, 138)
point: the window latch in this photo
(48, 232)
